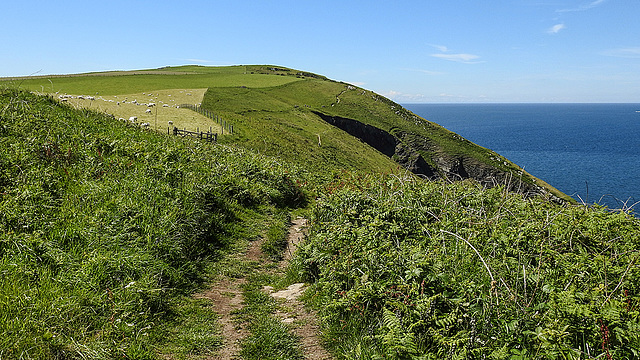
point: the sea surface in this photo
(588, 151)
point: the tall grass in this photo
(103, 224)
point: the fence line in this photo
(209, 136)
(207, 113)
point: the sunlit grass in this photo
(103, 226)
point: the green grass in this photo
(270, 338)
(103, 224)
(186, 77)
(285, 128)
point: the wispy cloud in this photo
(440, 48)
(630, 52)
(428, 72)
(404, 97)
(461, 58)
(199, 61)
(583, 7)
(556, 28)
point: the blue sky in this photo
(410, 51)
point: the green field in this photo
(125, 82)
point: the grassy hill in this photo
(107, 227)
(317, 111)
(312, 121)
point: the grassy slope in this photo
(266, 102)
(264, 114)
(103, 226)
(272, 124)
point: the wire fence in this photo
(226, 126)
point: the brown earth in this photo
(226, 296)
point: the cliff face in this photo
(422, 157)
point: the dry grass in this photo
(123, 106)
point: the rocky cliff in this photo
(424, 158)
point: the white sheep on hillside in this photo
(148, 111)
(170, 122)
(145, 125)
(133, 119)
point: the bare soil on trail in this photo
(226, 296)
(303, 320)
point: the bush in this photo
(411, 269)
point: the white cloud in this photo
(631, 52)
(403, 97)
(583, 7)
(199, 61)
(440, 48)
(556, 28)
(462, 58)
(428, 72)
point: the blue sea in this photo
(588, 151)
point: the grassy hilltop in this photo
(106, 228)
(310, 120)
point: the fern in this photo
(398, 343)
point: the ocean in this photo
(588, 151)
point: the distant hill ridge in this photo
(314, 121)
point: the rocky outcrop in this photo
(374, 137)
(409, 150)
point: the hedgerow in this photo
(407, 269)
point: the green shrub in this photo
(412, 269)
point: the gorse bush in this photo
(410, 269)
(102, 224)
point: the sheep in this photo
(145, 125)
(170, 122)
(151, 104)
(133, 119)
(165, 105)
(148, 111)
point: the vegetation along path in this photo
(241, 319)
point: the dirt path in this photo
(304, 320)
(226, 296)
